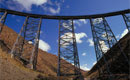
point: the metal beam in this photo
(65, 17)
(33, 59)
(3, 16)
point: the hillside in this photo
(119, 67)
(47, 62)
(11, 69)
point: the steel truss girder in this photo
(126, 18)
(66, 17)
(103, 37)
(26, 46)
(3, 16)
(67, 50)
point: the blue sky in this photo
(49, 31)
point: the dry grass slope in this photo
(11, 69)
(47, 63)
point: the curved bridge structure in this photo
(65, 17)
(67, 50)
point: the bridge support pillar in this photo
(101, 32)
(26, 46)
(2, 19)
(104, 39)
(67, 50)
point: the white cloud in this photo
(83, 20)
(66, 37)
(79, 36)
(28, 3)
(67, 25)
(104, 34)
(124, 33)
(94, 62)
(44, 46)
(103, 46)
(13, 5)
(84, 67)
(53, 8)
(72, 63)
(97, 20)
(91, 43)
(54, 11)
(30, 42)
(83, 54)
(48, 6)
(80, 22)
(77, 22)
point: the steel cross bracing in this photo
(26, 46)
(67, 50)
(2, 19)
(126, 18)
(104, 39)
(100, 38)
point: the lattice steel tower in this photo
(104, 39)
(26, 46)
(67, 50)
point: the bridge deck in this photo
(65, 17)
